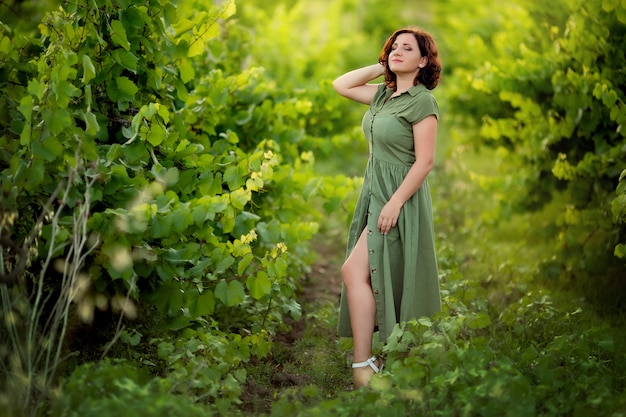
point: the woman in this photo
(390, 272)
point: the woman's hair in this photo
(430, 74)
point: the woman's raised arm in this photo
(354, 84)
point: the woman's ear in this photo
(423, 62)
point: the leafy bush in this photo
(120, 389)
(545, 87)
(530, 359)
(203, 191)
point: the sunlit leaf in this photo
(240, 197)
(36, 88)
(26, 108)
(156, 134)
(89, 71)
(126, 86)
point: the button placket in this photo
(373, 261)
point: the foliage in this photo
(201, 203)
(35, 330)
(121, 389)
(549, 95)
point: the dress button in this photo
(376, 291)
(371, 251)
(373, 270)
(369, 232)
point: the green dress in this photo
(403, 263)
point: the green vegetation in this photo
(177, 177)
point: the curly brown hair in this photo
(430, 74)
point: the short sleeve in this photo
(423, 105)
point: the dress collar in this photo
(412, 91)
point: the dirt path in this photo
(306, 353)
(324, 282)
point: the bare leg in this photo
(356, 277)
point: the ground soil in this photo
(322, 285)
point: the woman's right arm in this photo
(354, 84)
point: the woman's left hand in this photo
(388, 217)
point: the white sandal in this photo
(362, 378)
(370, 363)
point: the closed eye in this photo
(406, 46)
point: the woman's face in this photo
(405, 56)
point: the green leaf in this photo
(37, 89)
(231, 294)
(168, 297)
(132, 340)
(126, 87)
(233, 177)
(243, 263)
(5, 45)
(64, 91)
(165, 349)
(229, 8)
(480, 321)
(223, 264)
(161, 226)
(228, 219)
(41, 152)
(259, 285)
(135, 16)
(178, 323)
(118, 34)
(331, 205)
(311, 187)
(89, 71)
(26, 108)
(181, 26)
(201, 304)
(425, 321)
(280, 267)
(53, 145)
(269, 232)
(156, 134)
(91, 122)
(187, 72)
(126, 59)
(293, 308)
(240, 197)
(620, 251)
(57, 120)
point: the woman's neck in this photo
(404, 83)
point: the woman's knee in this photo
(352, 273)
(346, 272)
